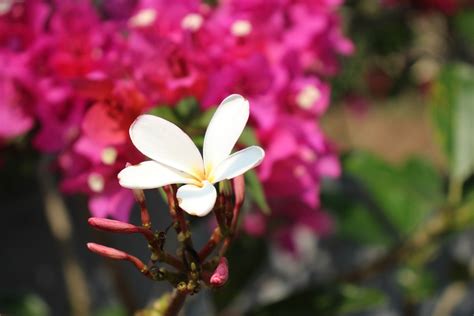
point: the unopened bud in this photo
(238, 183)
(114, 226)
(116, 254)
(221, 274)
(111, 225)
(107, 251)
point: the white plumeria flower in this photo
(175, 158)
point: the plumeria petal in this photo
(196, 200)
(150, 175)
(238, 163)
(166, 143)
(224, 130)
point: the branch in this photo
(176, 303)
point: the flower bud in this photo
(107, 251)
(221, 274)
(111, 225)
(238, 184)
(114, 226)
(116, 254)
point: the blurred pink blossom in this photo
(82, 71)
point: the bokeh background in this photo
(363, 205)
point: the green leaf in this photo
(417, 282)
(356, 218)
(255, 190)
(203, 120)
(164, 112)
(379, 203)
(23, 305)
(187, 108)
(248, 137)
(405, 193)
(198, 140)
(453, 113)
(114, 310)
(358, 299)
(330, 300)
(464, 25)
(163, 195)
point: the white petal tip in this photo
(238, 163)
(236, 98)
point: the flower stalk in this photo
(193, 268)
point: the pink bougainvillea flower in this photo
(177, 160)
(15, 96)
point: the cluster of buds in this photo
(189, 269)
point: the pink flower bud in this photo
(220, 276)
(111, 225)
(107, 251)
(116, 254)
(114, 226)
(238, 183)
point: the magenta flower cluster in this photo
(75, 74)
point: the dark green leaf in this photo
(187, 108)
(464, 25)
(111, 311)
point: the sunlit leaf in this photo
(453, 114)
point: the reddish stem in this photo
(145, 215)
(211, 244)
(176, 303)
